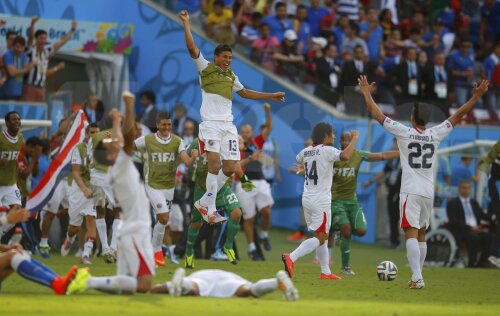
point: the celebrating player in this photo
(135, 262)
(347, 214)
(318, 173)
(220, 283)
(161, 152)
(417, 145)
(217, 132)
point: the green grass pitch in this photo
(448, 292)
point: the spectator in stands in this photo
(93, 108)
(34, 85)
(250, 32)
(279, 23)
(490, 22)
(328, 75)
(349, 8)
(406, 78)
(423, 60)
(43, 163)
(179, 118)
(461, 65)
(491, 68)
(372, 33)
(16, 65)
(290, 60)
(10, 36)
(385, 19)
(218, 24)
(339, 31)
(302, 28)
(415, 39)
(462, 171)
(148, 118)
(393, 49)
(314, 16)
(264, 48)
(467, 224)
(438, 84)
(352, 40)
(242, 12)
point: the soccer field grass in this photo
(448, 292)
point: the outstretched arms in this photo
(347, 152)
(191, 46)
(255, 95)
(386, 155)
(479, 90)
(366, 90)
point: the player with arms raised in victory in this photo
(417, 145)
(317, 197)
(217, 131)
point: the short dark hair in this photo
(100, 154)
(353, 25)
(40, 33)
(358, 47)
(91, 125)
(222, 48)
(9, 33)
(219, 3)
(263, 25)
(19, 40)
(8, 114)
(301, 6)
(150, 95)
(320, 131)
(408, 49)
(162, 115)
(421, 113)
(45, 146)
(279, 5)
(33, 141)
(256, 16)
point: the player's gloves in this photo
(246, 184)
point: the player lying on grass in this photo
(135, 262)
(417, 145)
(223, 284)
(318, 172)
(14, 258)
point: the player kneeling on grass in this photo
(223, 284)
(14, 258)
(318, 162)
(135, 261)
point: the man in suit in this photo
(467, 223)
(180, 119)
(439, 86)
(148, 118)
(327, 73)
(406, 78)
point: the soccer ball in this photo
(387, 271)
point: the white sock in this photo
(423, 252)
(413, 254)
(263, 234)
(44, 241)
(18, 258)
(100, 224)
(221, 179)
(87, 248)
(330, 253)
(322, 253)
(115, 285)
(171, 248)
(263, 287)
(251, 247)
(305, 248)
(158, 233)
(71, 238)
(187, 286)
(211, 184)
(114, 237)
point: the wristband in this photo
(244, 179)
(3, 220)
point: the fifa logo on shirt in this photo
(162, 157)
(9, 155)
(344, 172)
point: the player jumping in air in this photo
(417, 146)
(217, 132)
(318, 173)
(135, 261)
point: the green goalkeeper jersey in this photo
(96, 138)
(10, 148)
(345, 175)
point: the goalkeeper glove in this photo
(246, 184)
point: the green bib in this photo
(10, 152)
(96, 138)
(161, 162)
(217, 81)
(345, 176)
(84, 167)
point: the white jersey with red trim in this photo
(418, 154)
(318, 172)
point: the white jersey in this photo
(215, 107)
(417, 153)
(318, 168)
(130, 193)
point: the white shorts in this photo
(59, 198)
(102, 192)
(135, 254)
(176, 219)
(318, 217)
(217, 283)
(414, 210)
(256, 199)
(10, 195)
(79, 205)
(161, 200)
(220, 137)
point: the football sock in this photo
(187, 286)
(423, 252)
(263, 234)
(211, 184)
(191, 239)
(71, 238)
(32, 270)
(114, 285)
(345, 250)
(233, 227)
(44, 241)
(251, 247)
(114, 237)
(305, 248)
(158, 233)
(413, 254)
(322, 253)
(221, 179)
(263, 287)
(330, 252)
(87, 248)
(100, 224)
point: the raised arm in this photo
(366, 90)
(60, 66)
(268, 125)
(31, 30)
(188, 36)
(479, 90)
(66, 38)
(187, 159)
(129, 124)
(386, 155)
(347, 152)
(255, 95)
